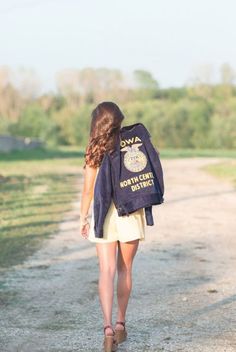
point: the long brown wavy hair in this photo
(104, 130)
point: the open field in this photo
(38, 186)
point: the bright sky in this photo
(169, 38)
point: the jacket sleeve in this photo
(102, 195)
(154, 154)
(155, 159)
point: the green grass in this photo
(186, 153)
(35, 193)
(44, 154)
(225, 170)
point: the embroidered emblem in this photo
(134, 159)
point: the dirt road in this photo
(184, 278)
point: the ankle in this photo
(121, 318)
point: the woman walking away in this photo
(117, 248)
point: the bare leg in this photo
(107, 265)
(126, 253)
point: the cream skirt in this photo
(120, 228)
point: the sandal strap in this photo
(108, 326)
(121, 322)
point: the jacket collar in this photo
(123, 131)
(130, 128)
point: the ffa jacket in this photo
(131, 175)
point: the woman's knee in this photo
(108, 270)
(124, 268)
(107, 258)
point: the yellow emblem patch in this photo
(134, 159)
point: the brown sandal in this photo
(120, 335)
(109, 344)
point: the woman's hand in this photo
(84, 227)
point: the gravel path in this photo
(184, 278)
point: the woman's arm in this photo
(87, 195)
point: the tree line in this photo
(201, 114)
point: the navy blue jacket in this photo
(131, 175)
